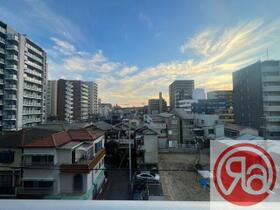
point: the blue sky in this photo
(134, 49)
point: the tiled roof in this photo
(37, 138)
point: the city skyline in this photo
(105, 44)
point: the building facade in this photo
(157, 106)
(198, 94)
(180, 90)
(256, 97)
(23, 81)
(52, 98)
(221, 94)
(72, 100)
(93, 97)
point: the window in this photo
(6, 157)
(98, 146)
(78, 183)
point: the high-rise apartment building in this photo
(180, 90)
(65, 94)
(93, 97)
(23, 77)
(256, 97)
(72, 100)
(52, 98)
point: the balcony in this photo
(12, 47)
(1, 71)
(32, 96)
(12, 57)
(272, 108)
(1, 81)
(2, 30)
(2, 61)
(271, 98)
(271, 79)
(33, 88)
(32, 112)
(9, 128)
(10, 107)
(9, 117)
(12, 37)
(10, 87)
(32, 104)
(84, 165)
(32, 72)
(12, 67)
(11, 77)
(271, 88)
(273, 118)
(10, 97)
(31, 120)
(35, 190)
(273, 128)
(2, 40)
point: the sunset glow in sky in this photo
(134, 49)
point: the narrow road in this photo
(118, 186)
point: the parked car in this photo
(148, 176)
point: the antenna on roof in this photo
(267, 54)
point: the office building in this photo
(198, 94)
(180, 90)
(157, 106)
(221, 94)
(52, 98)
(93, 96)
(210, 106)
(23, 78)
(256, 97)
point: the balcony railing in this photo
(84, 165)
(35, 190)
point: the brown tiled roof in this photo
(37, 138)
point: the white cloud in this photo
(221, 51)
(63, 47)
(128, 70)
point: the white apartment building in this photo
(23, 77)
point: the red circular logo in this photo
(244, 174)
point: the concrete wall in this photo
(151, 149)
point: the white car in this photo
(148, 176)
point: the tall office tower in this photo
(256, 97)
(52, 98)
(221, 94)
(93, 95)
(180, 90)
(23, 81)
(157, 106)
(198, 94)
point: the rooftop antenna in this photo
(267, 54)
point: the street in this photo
(118, 185)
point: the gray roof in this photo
(184, 115)
(102, 125)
